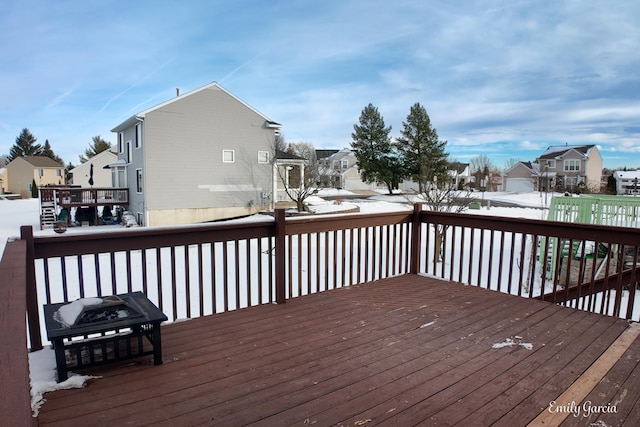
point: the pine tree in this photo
(423, 153)
(25, 146)
(97, 146)
(377, 159)
(48, 151)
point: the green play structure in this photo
(620, 211)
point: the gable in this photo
(193, 98)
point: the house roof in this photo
(533, 167)
(556, 151)
(627, 174)
(41, 162)
(109, 153)
(323, 154)
(283, 155)
(140, 116)
(458, 167)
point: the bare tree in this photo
(442, 196)
(298, 170)
(482, 168)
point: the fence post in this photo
(26, 234)
(415, 239)
(280, 256)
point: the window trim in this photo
(567, 166)
(551, 164)
(263, 157)
(129, 151)
(139, 181)
(138, 142)
(233, 156)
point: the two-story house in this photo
(200, 156)
(340, 170)
(22, 172)
(570, 167)
(627, 182)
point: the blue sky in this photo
(501, 78)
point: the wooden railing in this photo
(15, 404)
(590, 267)
(198, 270)
(191, 271)
(75, 197)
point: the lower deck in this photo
(407, 350)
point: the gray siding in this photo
(183, 143)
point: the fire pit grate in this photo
(111, 309)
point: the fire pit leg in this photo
(61, 361)
(157, 344)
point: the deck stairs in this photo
(47, 215)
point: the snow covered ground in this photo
(15, 213)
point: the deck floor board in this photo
(407, 350)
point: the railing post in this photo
(26, 234)
(280, 256)
(416, 226)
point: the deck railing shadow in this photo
(192, 271)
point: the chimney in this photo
(177, 91)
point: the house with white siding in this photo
(627, 182)
(201, 156)
(101, 174)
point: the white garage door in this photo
(519, 185)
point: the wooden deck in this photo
(402, 351)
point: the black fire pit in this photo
(94, 331)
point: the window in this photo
(228, 156)
(40, 173)
(139, 135)
(572, 165)
(551, 164)
(129, 154)
(120, 142)
(139, 218)
(345, 164)
(139, 180)
(119, 177)
(263, 157)
(58, 172)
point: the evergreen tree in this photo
(377, 159)
(34, 189)
(25, 146)
(48, 151)
(97, 146)
(424, 155)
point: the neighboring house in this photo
(289, 172)
(571, 167)
(340, 170)
(201, 156)
(102, 176)
(460, 174)
(323, 154)
(3, 180)
(627, 182)
(22, 172)
(522, 177)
